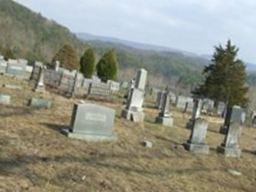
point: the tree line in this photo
(106, 68)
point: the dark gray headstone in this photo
(92, 122)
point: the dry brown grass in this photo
(35, 156)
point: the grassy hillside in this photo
(36, 157)
(30, 35)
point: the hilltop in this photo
(30, 35)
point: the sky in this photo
(190, 25)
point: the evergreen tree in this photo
(8, 54)
(67, 58)
(225, 79)
(108, 66)
(87, 63)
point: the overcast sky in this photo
(191, 25)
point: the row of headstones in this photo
(94, 122)
(70, 82)
(186, 104)
(198, 125)
(5, 99)
(18, 68)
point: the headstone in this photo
(221, 109)
(91, 122)
(5, 99)
(56, 66)
(141, 79)
(114, 86)
(184, 103)
(230, 146)
(165, 117)
(134, 107)
(196, 143)
(16, 67)
(40, 87)
(159, 99)
(3, 65)
(195, 113)
(40, 103)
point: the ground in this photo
(35, 156)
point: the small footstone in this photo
(147, 144)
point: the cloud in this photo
(193, 25)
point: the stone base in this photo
(88, 137)
(197, 148)
(230, 151)
(223, 130)
(135, 116)
(190, 124)
(165, 121)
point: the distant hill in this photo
(173, 65)
(31, 35)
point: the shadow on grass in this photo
(56, 127)
(7, 111)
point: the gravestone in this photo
(134, 107)
(56, 66)
(207, 106)
(3, 64)
(5, 99)
(114, 86)
(230, 146)
(16, 67)
(196, 143)
(221, 109)
(159, 99)
(40, 103)
(91, 122)
(165, 117)
(40, 87)
(141, 79)
(195, 113)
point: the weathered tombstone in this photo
(3, 65)
(16, 67)
(165, 117)
(196, 143)
(159, 99)
(195, 113)
(133, 110)
(40, 103)
(114, 86)
(56, 66)
(230, 146)
(221, 109)
(5, 99)
(91, 122)
(40, 87)
(141, 79)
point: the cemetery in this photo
(53, 135)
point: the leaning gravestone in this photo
(40, 103)
(196, 143)
(5, 99)
(230, 146)
(165, 117)
(91, 122)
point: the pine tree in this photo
(108, 66)
(87, 63)
(8, 54)
(225, 79)
(67, 58)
